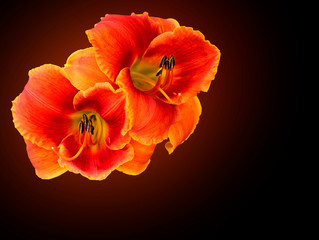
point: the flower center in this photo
(154, 83)
(91, 131)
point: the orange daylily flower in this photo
(80, 131)
(113, 102)
(159, 64)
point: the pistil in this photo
(165, 77)
(85, 133)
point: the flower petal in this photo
(142, 155)
(41, 111)
(82, 69)
(189, 113)
(165, 25)
(95, 164)
(150, 118)
(118, 40)
(44, 161)
(196, 61)
(110, 105)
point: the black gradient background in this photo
(230, 177)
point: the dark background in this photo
(232, 176)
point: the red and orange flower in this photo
(113, 102)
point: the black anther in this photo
(88, 125)
(81, 127)
(93, 117)
(163, 61)
(171, 62)
(85, 119)
(159, 72)
(92, 130)
(166, 64)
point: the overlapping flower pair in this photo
(112, 103)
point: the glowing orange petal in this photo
(189, 113)
(142, 155)
(166, 25)
(41, 112)
(82, 69)
(44, 161)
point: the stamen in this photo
(169, 79)
(166, 79)
(171, 62)
(85, 119)
(88, 126)
(81, 127)
(163, 61)
(159, 72)
(166, 64)
(84, 138)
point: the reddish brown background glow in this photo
(229, 176)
